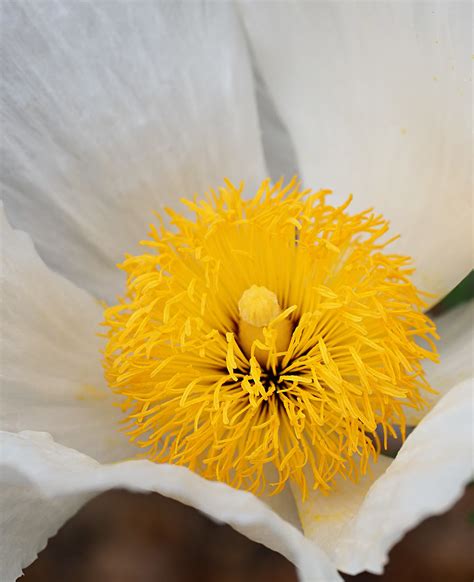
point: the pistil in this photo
(258, 309)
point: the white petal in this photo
(426, 478)
(324, 518)
(44, 483)
(111, 109)
(456, 349)
(377, 99)
(277, 146)
(52, 378)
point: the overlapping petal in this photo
(377, 100)
(325, 517)
(51, 375)
(43, 483)
(110, 110)
(358, 527)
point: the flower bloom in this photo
(271, 331)
(111, 110)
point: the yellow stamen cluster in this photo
(274, 331)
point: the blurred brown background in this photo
(129, 537)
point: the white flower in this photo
(111, 110)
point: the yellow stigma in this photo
(275, 330)
(258, 308)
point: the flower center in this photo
(275, 331)
(258, 308)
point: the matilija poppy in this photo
(258, 342)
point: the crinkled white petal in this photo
(51, 374)
(377, 99)
(44, 483)
(426, 478)
(112, 109)
(456, 349)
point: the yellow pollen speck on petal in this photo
(89, 392)
(275, 330)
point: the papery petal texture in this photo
(51, 376)
(44, 483)
(377, 99)
(426, 478)
(112, 109)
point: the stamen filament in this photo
(271, 331)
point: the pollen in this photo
(269, 335)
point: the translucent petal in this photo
(111, 110)
(377, 99)
(52, 378)
(44, 483)
(324, 518)
(426, 478)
